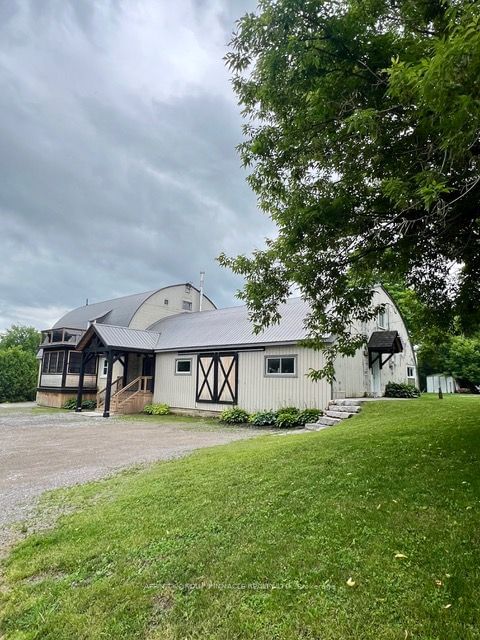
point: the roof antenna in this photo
(86, 302)
(202, 282)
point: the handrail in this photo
(102, 391)
(141, 379)
(122, 396)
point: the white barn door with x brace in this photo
(217, 378)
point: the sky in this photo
(118, 167)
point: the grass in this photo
(257, 539)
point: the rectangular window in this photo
(411, 372)
(382, 319)
(183, 367)
(53, 362)
(281, 366)
(75, 360)
(165, 302)
(186, 305)
(103, 368)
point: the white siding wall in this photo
(154, 308)
(255, 391)
(353, 376)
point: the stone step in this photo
(315, 426)
(346, 403)
(346, 408)
(329, 422)
(343, 415)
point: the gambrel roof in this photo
(117, 312)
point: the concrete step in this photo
(343, 415)
(347, 408)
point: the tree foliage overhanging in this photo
(362, 122)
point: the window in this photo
(103, 368)
(183, 367)
(75, 360)
(280, 366)
(382, 318)
(411, 378)
(186, 305)
(53, 362)
(165, 302)
(188, 288)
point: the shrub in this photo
(399, 390)
(156, 409)
(309, 415)
(234, 416)
(86, 404)
(263, 418)
(89, 404)
(287, 419)
(18, 375)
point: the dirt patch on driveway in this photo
(41, 451)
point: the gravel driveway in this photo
(40, 451)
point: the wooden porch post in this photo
(80, 382)
(108, 388)
(125, 369)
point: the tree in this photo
(18, 375)
(463, 359)
(27, 338)
(362, 134)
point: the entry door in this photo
(376, 382)
(217, 378)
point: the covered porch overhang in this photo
(382, 346)
(117, 344)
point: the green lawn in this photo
(257, 540)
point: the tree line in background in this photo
(438, 351)
(18, 363)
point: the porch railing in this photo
(115, 387)
(138, 389)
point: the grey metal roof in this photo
(123, 338)
(117, 312)
(229, 327)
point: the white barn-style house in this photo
(174, 346)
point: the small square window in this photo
(183, 367)
(186, 305)
(165, 302)
(280, 366)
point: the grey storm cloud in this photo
(119, 173)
